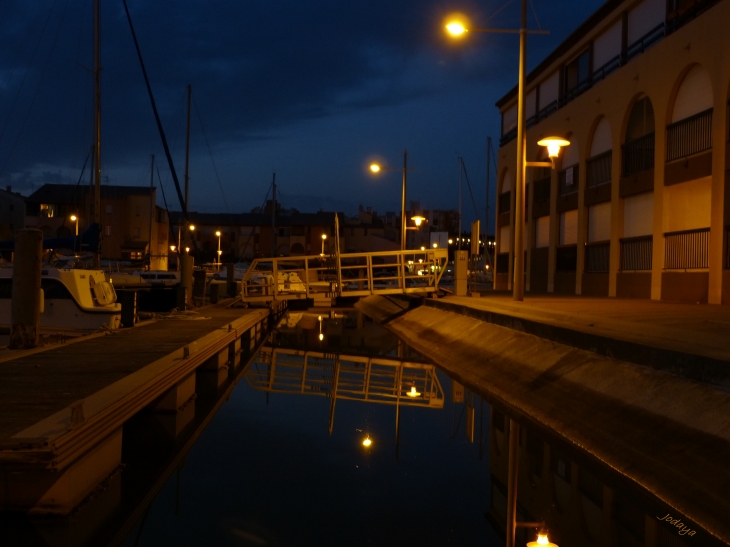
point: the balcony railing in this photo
(645, 42)
(680, 17)
(606, 69)
(568, 183)
(688, 249)
(542, 190)
(598, 169)
(597, 256)
(636, 253)
(566, 258)
(638, 155)
(508, 136)
(690, 135)
(504, 202)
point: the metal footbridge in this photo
(325, 277)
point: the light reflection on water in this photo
(266, 471)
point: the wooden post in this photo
(25, 308)
(186, 277)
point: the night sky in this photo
(311, 90)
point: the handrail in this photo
(690, 135)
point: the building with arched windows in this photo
(636, 205)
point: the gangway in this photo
(325, 277)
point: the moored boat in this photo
(72, 299)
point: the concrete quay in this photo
(575, 368)
(64, 406)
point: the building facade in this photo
(636, 205)
(133, 227)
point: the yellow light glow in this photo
(220, 253)
(553, 145)
(542, 541)
(218, 233)
(375, 168)
(451, 241)
(74, 217)
(456, 29)
(486, 267)
(172, 248)
(187, 249)
(324, 236)
(413, 392)
(367, 442)
(423, 249)
(192, 227)
(418, 219)
(321, 336)
(435, 245)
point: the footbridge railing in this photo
(351, 274)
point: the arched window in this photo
(691, 129)
(638, 149)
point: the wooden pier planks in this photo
(37, 386)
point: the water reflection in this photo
(257, 462)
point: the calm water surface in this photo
(267, 470)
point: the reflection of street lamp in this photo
(459, 29)
(324, 237)
(75, 219)
(376, 168)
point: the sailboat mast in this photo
(273, 218)
(97, 129)
(187, 153)
(152, 207)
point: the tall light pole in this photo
(324, 237)
(75, 219)
(376, 168)
(218, 233)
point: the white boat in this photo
(144, 277)
(72, 299)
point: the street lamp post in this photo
(218, 233)
(376, 168)
(324, 238)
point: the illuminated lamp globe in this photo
(435, 245)
(418, 219)
(456, 29)
(451, 241)
(554, 144)
(218, 233)
(192, 227)
(367, 442)
(375, 168)
(321, 336)
(414, 392)
(172, 248)
(542, 540)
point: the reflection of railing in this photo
(353, 274)
(686, 249)
(638, 154)
(597, 256)
(598, 169)
(636, 253)
(350, 377)
(690, 135)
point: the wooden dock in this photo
(63, 406)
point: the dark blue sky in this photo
(311, 90)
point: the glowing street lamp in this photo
(542, 540)
(218, 233)
(458, 29)
(75, 219)
(553, 144)
(324, 238)
(367, 442)
(413, 393)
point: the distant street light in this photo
(75, 219)
(218, 233)
(324, 237)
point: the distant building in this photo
(638, 204)
(133, 226)
(12, 213)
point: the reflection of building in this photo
(582, 505)
(130, 220)
(637, 206)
